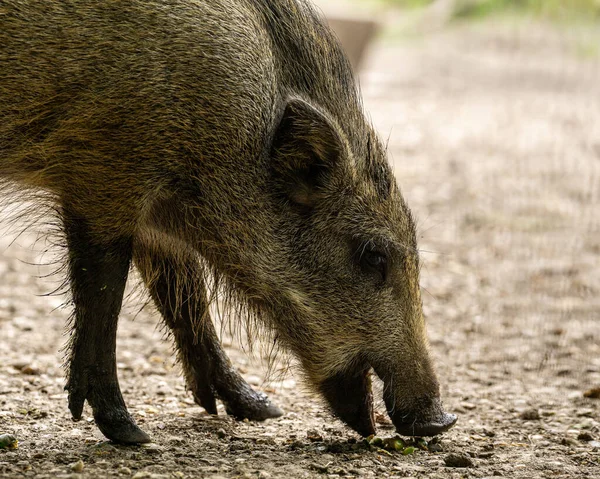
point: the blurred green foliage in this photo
(411, 3)
(552, 9)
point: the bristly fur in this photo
(222, 149)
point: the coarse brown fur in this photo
(216, 143)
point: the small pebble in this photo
(104, 449)
(150, 475)
(320, 468)
(585, 436)
(569, 441)
(593, 393)
(263, 475)
(530, 415)
(30, 371)
(152, 448)
(382, 418)
(221, 433)
(77, 466)
(435, 447)
(124, 471)
(458, 460)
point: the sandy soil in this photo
(495, 137)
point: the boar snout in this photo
(426, 418)
(412, 399)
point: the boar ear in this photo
(306, 147)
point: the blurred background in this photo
(491, 110)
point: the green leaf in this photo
(8, 441)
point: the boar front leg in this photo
(177, 287)
(97, 273)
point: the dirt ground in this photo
(494, 131)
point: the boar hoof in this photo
(253, 406)
(118, 426)
(427, 429)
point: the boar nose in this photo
(427, 418)
(430, 428)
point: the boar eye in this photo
(372, 260)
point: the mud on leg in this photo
(97, 273)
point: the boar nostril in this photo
(431, 428)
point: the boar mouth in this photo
(350, 397)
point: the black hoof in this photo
(119, 426)
(253, 406)
(206, 399)
(76, 402)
